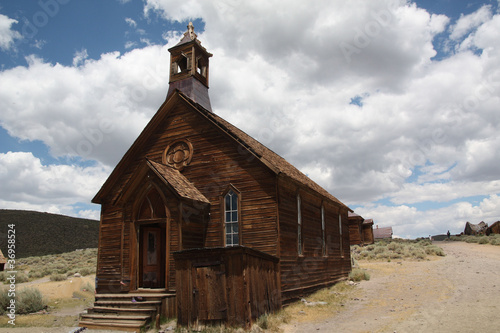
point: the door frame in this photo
(161, 226)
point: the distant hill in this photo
(39, 234)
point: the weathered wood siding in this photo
(301, 274)
(234, 285)
(368, 234)
(356, 235)
(109, 254)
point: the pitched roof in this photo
(382, 232)
(265, 155)
(177, 181)
(368, 222)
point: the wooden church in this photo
(201, 221)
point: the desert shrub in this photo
(358, 274)
(4, 300)
(370, 247)
(3, 276)
(58, 277)
(471, 239)
(495, 241)
(86, 271)
(434, 250)
(484, 240)
(29, 300)
(35, 274)
(21, 278)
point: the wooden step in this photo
(136, 294)
(114, 317)
(127, 303)
(129, 327)
(101, 309)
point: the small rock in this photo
(77, 275)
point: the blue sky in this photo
(402, 97)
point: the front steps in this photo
(118, 311)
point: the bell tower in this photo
(189, 69)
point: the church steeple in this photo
(189, 68)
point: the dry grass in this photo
(55, 265)
(396, 249)
(493, 239)
(335, 298)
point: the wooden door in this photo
(210, 293)
(152, 262)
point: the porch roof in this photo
(177, 181)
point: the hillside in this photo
(39, 234)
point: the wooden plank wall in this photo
(301, 275)
(368, 234)
(356, 235)
(109, 252)
(250, 286)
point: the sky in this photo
(390, 105)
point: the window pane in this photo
(234, 203)
(236, 239)
(235, 227)
(228, 217)
(228, 202)
(234, 216)
(228, 240)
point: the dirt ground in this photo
(457, 293)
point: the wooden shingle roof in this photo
(184, 188)
(379, 233)
(273, 161)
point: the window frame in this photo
(238, 216)
(340, 236)
(300, 238)
(323, 232)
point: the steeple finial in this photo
(190, 31)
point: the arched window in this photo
(231, 220)
(152, 206)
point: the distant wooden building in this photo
(493, 229)
(367, 228)
(382, 233)
(360, 230)
(356, 236)
(190, 190)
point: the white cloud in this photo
(131, 22)
(466, 23)
(7, 36)
(28, 184)
(80, 57)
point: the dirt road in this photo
(457, 293)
